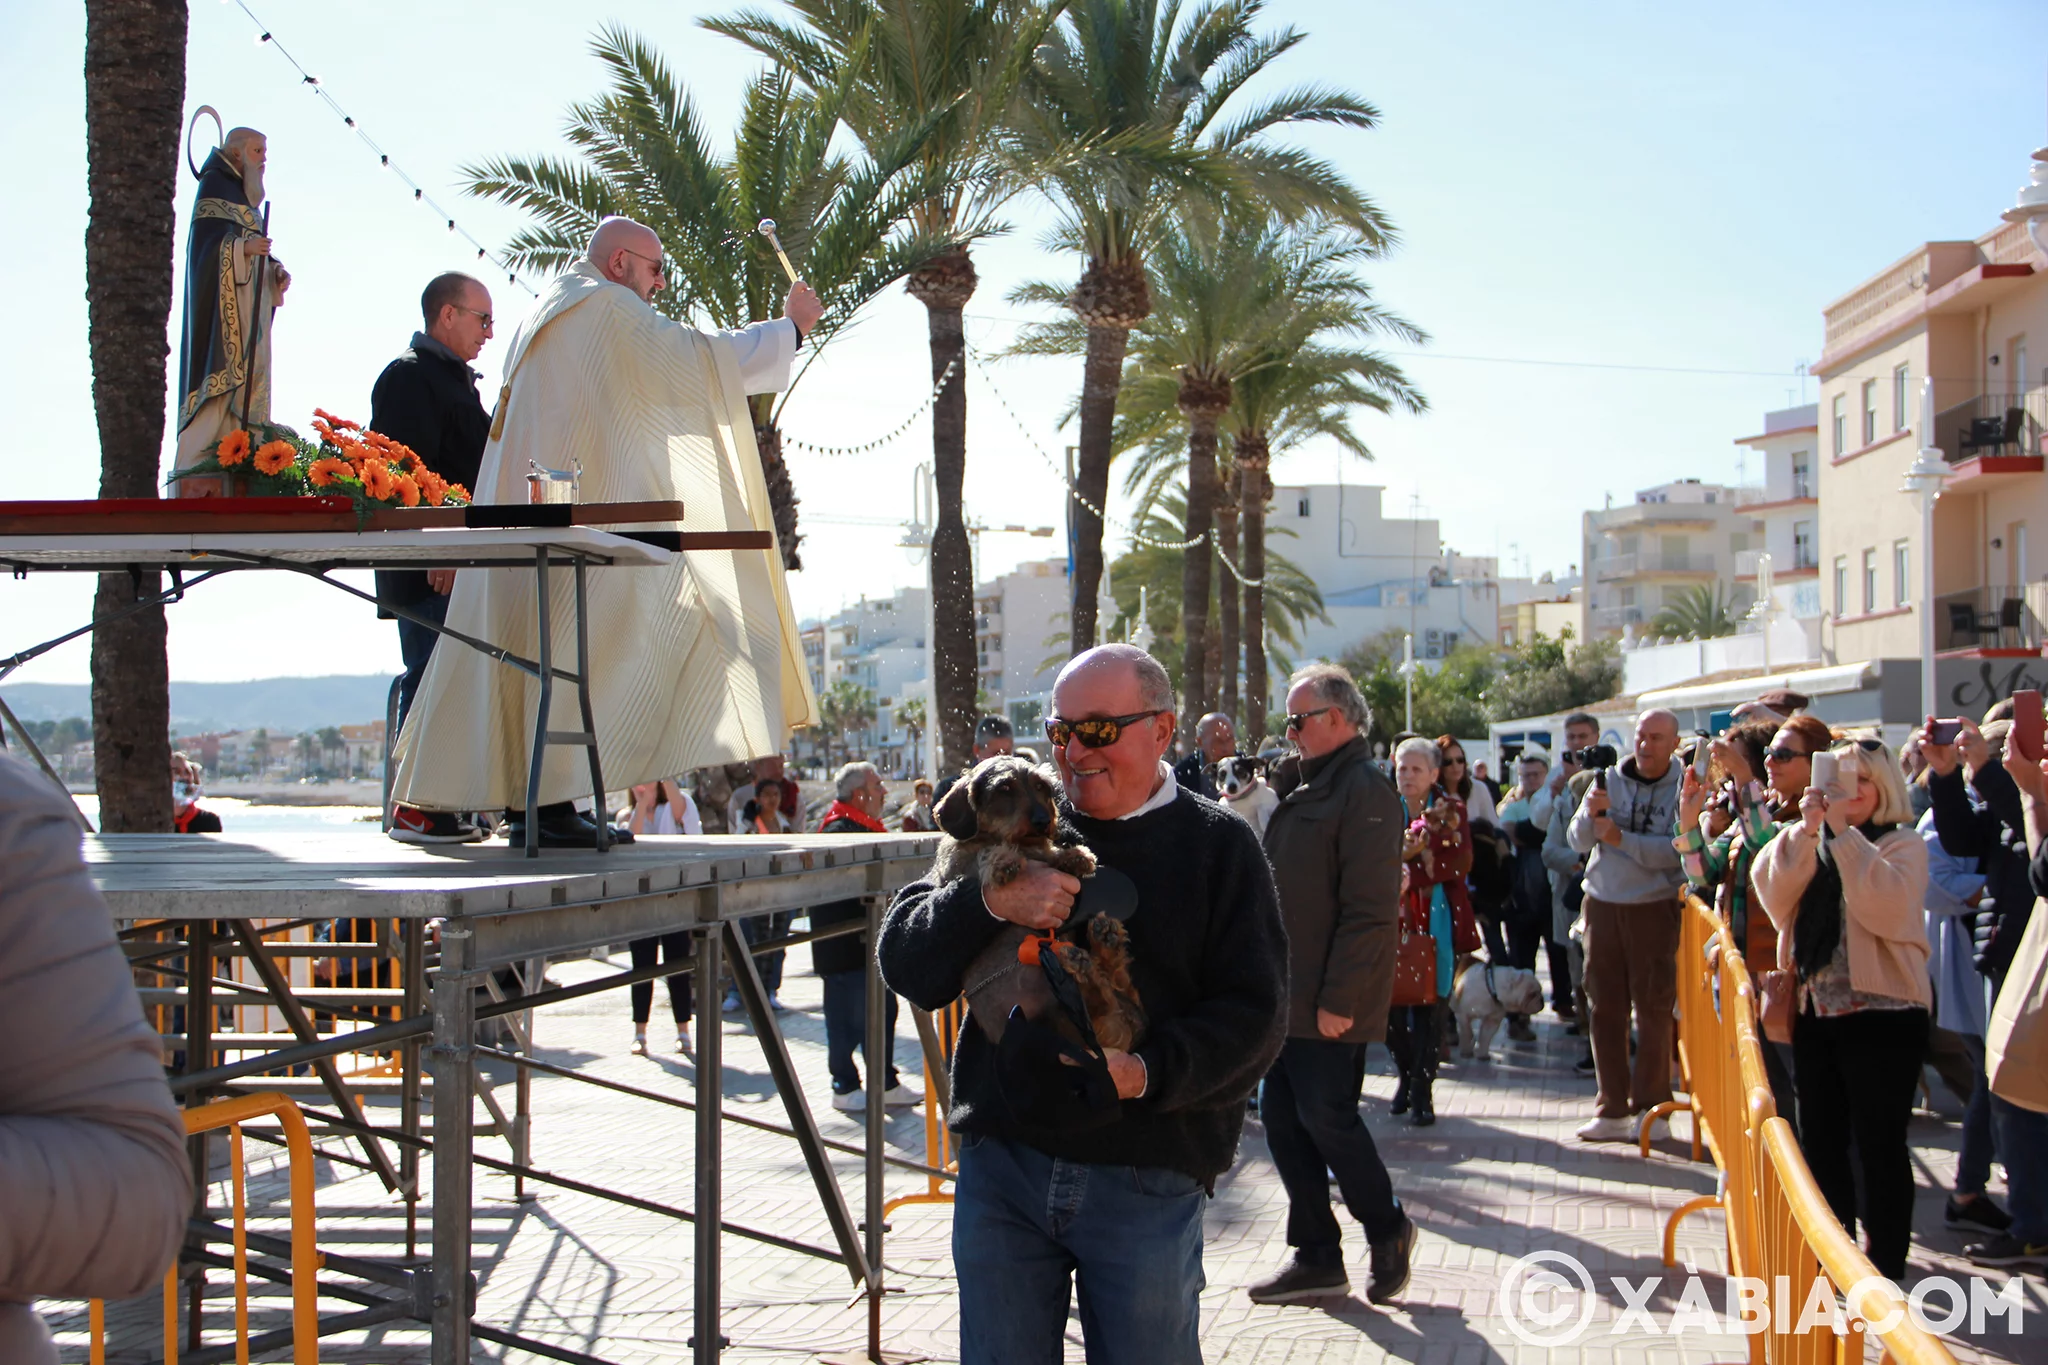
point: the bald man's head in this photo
(1656, 742)
(1216, 737)
(629, 253)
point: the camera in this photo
(1596, 756)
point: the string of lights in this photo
(266, 37)
(869, 447)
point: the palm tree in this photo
(951, 68)
(912, 716)
(643, 153)
(134, 108)
(845, 708)
(1125, 115)
(1704, 612)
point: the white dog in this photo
(1242, 783)
(1484, 996)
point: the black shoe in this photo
(411, 825)
(2006, 1249)
(1519, 1030)
(1978, 1212)
(1300, 1279)
(558, 830)
(1400, 1104)
(1425, 1109)
(1390, 1263)
(1573, 1029)
(1584, 1066)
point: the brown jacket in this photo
(1335, 845)
(94, 1185)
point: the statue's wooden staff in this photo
(255, 321)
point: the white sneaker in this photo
(775, 1003)
(683, 1041)
(900, 1096)
(850, 1101)
(1608, 1130)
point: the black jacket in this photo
(427, 399)
(1209, 961)
(1996, 833)
(1192, 773)
(849, 952)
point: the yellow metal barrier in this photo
(938, 1139)
(1781, 1231)
(231, 1114)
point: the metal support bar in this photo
(878, 1061)
(539, 750)
(768, 1032)
(710, 1106)
(449, 1061)
(199, 1050)
(413, 980)
(295, 1016)
(934, 1060)
(588, 738)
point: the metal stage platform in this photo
(450, 922)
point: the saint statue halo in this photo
(219, 133)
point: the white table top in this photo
(445, 546)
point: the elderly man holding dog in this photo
(1104, 1200)
(1335, 845)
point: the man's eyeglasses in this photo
(1296, 722)
(660, 263)
(1097, 732)
(484, 318)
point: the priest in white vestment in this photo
(695, 663)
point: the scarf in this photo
(841, 811)
(1818, 930)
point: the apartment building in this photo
(1643, 556)
(1974, 316)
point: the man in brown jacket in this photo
(94, 1185)
(1335, 845)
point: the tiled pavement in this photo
(1498, 1177)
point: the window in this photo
(1802, 474)
(1301, 507)
(1841, 585)
(1902, 590)
(1902, 384)
(1804, 554)
(1673, 552)
(1870, 580)
(1869, 411)
(1841, 420)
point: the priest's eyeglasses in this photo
(660, 263)
(1097, 732)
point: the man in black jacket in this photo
(1111, 1196)
(1335, 845)
(427, 399)
(1215, 740)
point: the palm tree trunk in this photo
(134, 103)
(1253, 491)
(1101, 379)
(944, 287)
(782, 498)
(1228, 601)
(1197, 682)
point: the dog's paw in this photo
(1001, 866)
(1074, 860)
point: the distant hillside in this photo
(289, 704)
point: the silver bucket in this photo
(551, 485)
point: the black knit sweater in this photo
(1209, 960)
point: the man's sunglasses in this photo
(1296, 722)
(1097, 732)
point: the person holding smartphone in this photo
(1845, 885)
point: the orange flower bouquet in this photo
(366, 466)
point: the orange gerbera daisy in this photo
(433, 487)
(325, 470)
(234, 448)
(458, 492)
(275, 457)
(408, 491)
(353, 451)
(378, 480)
(342, 423)
(376, 440)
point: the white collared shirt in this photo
(1169, 788)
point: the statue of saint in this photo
(224, 380)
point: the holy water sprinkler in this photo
(766, 227)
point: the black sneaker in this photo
(1400, 1104)
(1300, 1279)
(411, 825)
(1978, 1212)
(2005, 1250)
(571, 830)
(1390, 1263)
(1425, 1109)
(1584, 1066)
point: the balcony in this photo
(1991, 618)
(1615, 568)
(1615, 619)
(1803, 561)
(1658, 514)
(1993, 439)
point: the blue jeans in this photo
(846, 1028)
(2023, 1147)
(1973, 1162)
(1309, 1105)
(416, 646)
(769, 965)
(1128, 1238)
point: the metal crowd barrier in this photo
(1781, 1231)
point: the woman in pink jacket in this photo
(1845, 885)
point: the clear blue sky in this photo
(1605, 185)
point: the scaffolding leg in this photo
(705, 1341)
(454, 1131)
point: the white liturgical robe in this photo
(695, 663)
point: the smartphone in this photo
(1701, 756)
(1827, 774)
(1944, 732)
(2027, 724)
